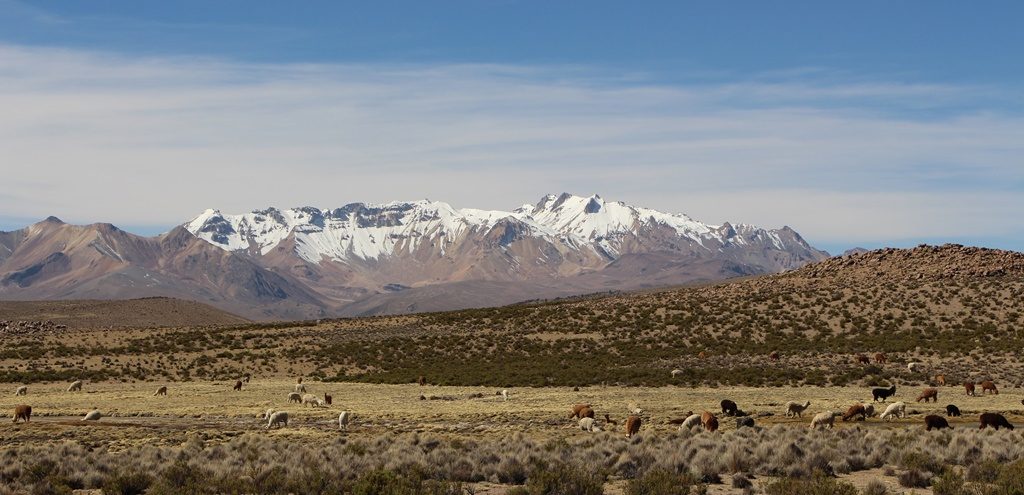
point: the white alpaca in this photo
(267, 413)
(310, 400)
(504, 394)
(588, 424)
(277, 419)
(826, 419)
(93, 415)
(895, 410)
(76, 386)
(915, 367)
(676, 372)
(300, 388)
(343, 420)
(22, 390)
(690, 421)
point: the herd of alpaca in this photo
(585, 414)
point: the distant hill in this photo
(957, 309)
(132, 313)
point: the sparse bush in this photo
(818, 484)
(662, 482)
(915, 478)
(564, 480)
(875, 487)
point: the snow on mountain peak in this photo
(372, 231)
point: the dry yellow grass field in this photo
(463, 410)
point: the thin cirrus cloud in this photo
(93, 136)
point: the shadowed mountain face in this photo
(391, 258)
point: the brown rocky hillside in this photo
(958, 310)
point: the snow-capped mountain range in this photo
(391, 258)
(363, 232)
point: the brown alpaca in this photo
(994, 420)
(862, 359)
(729, 407)
(940, 380)
(702, 355)
(929, 393)
(22, 412)
(422, 380)
(632, 425)
(579, 410)
(705, 417)
(969, 386)
(774, 356)
(328, 398)
(855, 410)
(880, 358)
(712, 424)
(988, 386)
(937, 422)
(238, 385)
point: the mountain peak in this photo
(53, 219)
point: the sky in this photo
(871, 124)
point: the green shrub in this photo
(127, 483)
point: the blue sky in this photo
(875, 123)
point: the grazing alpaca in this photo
(328, 399)
(869, 411)
(826, 419)
(796, 408)
(22, 412)
(422, 380)
(238, 385)
(729, 408)
(895, 410)
(22, 390)
(712, 424)
(855, 410)
(937, 422)
(588, 424)
(994, 420)
(690, 421)
(343, 420)
(929, 393)
(773, 356)
(883, 393)
(248, 377)
(702, 355)
(915, 367)
(969, 387)
(708, 421)
(300, 388)
(862, 359)
(76, 386)
(676, 372)
(952, 411)
(745, 421)
(294, 397)
(988, 386)
(161, 391)
(504, 394)
(580, 410)
(93, 415)
(940, 380)
(279, 418)
(880, 358)
(632, 425)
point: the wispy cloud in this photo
(91, 136)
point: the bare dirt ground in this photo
(211, 410)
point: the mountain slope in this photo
(394, 258)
